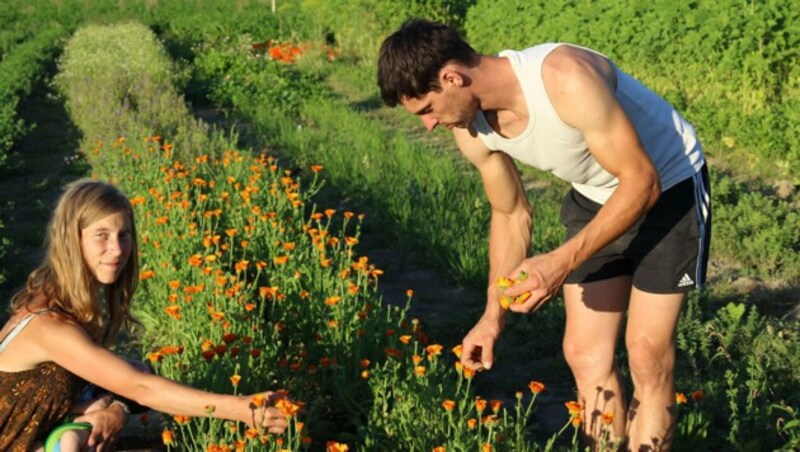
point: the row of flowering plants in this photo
(245, 286)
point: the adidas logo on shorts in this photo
(685, 281)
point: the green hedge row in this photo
(20, 70)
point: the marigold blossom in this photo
(536, 387)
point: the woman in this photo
(71, 308)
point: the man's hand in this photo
(545, 276)
(106, 425)
(478, 345)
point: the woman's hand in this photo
(264, 412)
(106, 425)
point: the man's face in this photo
(450, 108)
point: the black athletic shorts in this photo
(666, 251)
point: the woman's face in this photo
(106, 246)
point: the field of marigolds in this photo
(262, 168)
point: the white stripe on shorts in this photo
(702, 206)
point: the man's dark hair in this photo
(410, 59)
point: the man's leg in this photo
(594, 316)
(650, 341)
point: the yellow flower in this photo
(168, 437)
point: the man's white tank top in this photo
(551, 145)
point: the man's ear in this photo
(451, 77)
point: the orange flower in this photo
(154, 357)
(496, 405)
(332, 301)
(181, 419)
(486, 447)
(287, 407)
(472, 423)
(280, 260)
(333, 446)
(439, 449)
(405, 339)
(457, 350)
(196, 260)
(416, 359)
(575, 420)
(168, 437)
(480, 405)
(217, 316)
(449, 405)
(257, 401)
(174, 311)
(420, 371)
(574, 408)
(251, 433)
(147, 274)
(469, 373)
(680, 398)
(607, 418)
(235, 379)
(174, 285)
(434, 350)
(316, 168)
(536, 387)
(241, 265)
(410, 293)
(171, 349)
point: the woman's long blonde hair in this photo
(63, 279)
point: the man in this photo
(637, 216)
